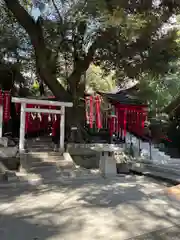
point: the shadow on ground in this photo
(121, 208)
(93, 209)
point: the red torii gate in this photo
(38, 109)
(32, 125)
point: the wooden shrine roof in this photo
(125, 96)
(131, 90)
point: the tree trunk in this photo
(75, 116)
(46, 67)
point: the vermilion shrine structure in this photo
(25, 107)
(125, 113)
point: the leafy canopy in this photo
(125, 37)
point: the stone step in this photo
(46, 172)
(42, 155)
(40, 147)
(47, 175)
(38, 175)
(59, 163)
(27, 177)
(42, 163)
(42, 169)
(40, 144)
(45, 154)
(34, 141)
(38, 162)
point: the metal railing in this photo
(139, 144)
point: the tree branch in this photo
(42, 53)
(58, 12)
(83, 64)
(22, 16)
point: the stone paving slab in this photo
(112, 209)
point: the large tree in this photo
(119, 35)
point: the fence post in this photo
(150, 152)
(62, 128)
(1, 120)
(130, 138)
(22, 128)
(139, 146)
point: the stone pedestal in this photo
(107, 164)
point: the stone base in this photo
(9, 157)
(12, 164)
(123, 168)
(107, 164)
(4, 141)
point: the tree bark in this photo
(76, 115)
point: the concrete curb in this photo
(20, 184)
(173, 179)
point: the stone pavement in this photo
(131, 207)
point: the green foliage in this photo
(131, 41)
(160, 91)
(14, 50)
(96, 80)
(124, 37)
